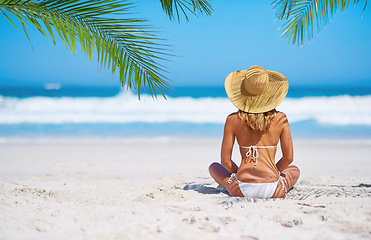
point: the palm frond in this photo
(302, 15)
(126, 45)
(175, 8)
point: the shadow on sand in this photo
(204, 188)
(363, 185)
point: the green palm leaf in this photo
(174, 8)
(302, 15)
(123, 44)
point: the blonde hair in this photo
(257, 121)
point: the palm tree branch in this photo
(126, 44)
(173, 8)
(301, 15)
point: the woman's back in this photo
(258, 164)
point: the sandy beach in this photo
(161, 189)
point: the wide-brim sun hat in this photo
(256, 90)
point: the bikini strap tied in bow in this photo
(253, 152)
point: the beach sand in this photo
(161, 189)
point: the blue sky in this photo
(237, 35)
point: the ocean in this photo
(65, 113)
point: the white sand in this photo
(147, 190)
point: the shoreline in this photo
(162, 139)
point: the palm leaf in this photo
(120, 43)
(302, 15)
(175, 8)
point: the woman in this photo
(258, 128)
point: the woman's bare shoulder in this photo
(281, 114)
(281, 118)
(232, 118)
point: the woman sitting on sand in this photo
(258, 127)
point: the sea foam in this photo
(126, 108)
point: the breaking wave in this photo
(125, 108)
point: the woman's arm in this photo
(227, 146)
(286, 146)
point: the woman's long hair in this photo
(257, 121)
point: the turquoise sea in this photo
(64, 112)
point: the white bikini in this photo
(257, 190)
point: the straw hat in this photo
(256, 90)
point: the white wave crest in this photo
(123, 108)
(337, 110)
(126, 108)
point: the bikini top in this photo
(253, 152)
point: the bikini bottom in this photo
(257, 190)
